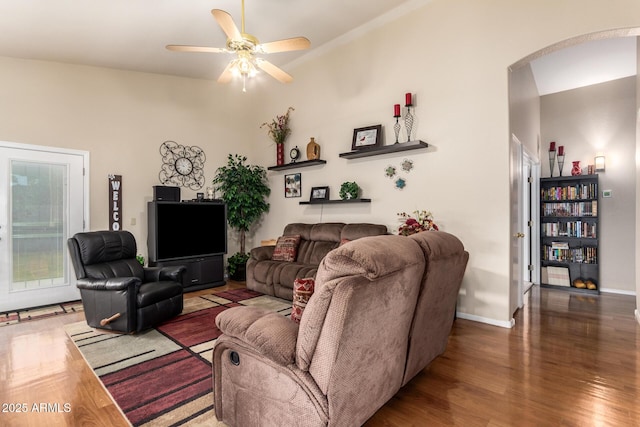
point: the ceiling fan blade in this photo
(274, 71)
(226, 23)
(295, 43)
(226, 75)
(184, 48)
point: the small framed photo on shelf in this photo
(319, 194)
(293, 185)
(367, 137)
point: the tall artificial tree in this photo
(244, 189)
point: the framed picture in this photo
(319, 193)
(367, 137)
(293, 185)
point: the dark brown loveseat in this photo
(316, 240)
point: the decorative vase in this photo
(313, 149)
(279, 154)
(576, 170)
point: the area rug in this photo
(37, 313)
(162, 377)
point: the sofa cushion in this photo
(286, 248)
(358, 230)
(267, 332)
(302, 291)
(323, 238)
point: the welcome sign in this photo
(115, 202)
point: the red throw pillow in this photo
(286, 248)
(302, 291)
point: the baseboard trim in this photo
(494, 322)
(617, 291)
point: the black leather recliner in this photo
(117, 292)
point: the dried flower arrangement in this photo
(279, 127)
(420, 221)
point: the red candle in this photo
(552, 146)
(561, 150)
(408, 99)
(396, 110)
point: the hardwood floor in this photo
(571, 360)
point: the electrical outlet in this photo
(607, 193)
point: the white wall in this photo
(601, 118)
(121, 118)
(453, 54)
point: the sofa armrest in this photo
(156, 274)
(270, 334)
(112, 284)
(262, 253)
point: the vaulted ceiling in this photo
(132, 35)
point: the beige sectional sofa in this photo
(316, 240)
(382, 310)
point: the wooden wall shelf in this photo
(385, 149)
(294, 165)
(331, 202)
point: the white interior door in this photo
(516, 226)
(42, 204)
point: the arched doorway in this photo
(524, 113)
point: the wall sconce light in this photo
(599, 161)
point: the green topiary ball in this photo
(349, 190)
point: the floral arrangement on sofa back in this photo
(420, 220)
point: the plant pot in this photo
(240, 275)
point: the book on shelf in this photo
(559, 245)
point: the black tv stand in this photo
(203, 272)
(193, 234)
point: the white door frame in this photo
(523, 238)
(530, 212)
(28, 297)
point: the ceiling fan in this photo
(246, 47)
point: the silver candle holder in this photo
(552, 161)
(408, 121)
(560, 163)
(396, 129)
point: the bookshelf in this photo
(569, 232)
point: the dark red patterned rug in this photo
(162, 376)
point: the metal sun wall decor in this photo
(391, 171)
(182, 165)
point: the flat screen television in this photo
(179, 230)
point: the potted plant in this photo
(244, 189)
(349, 190)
